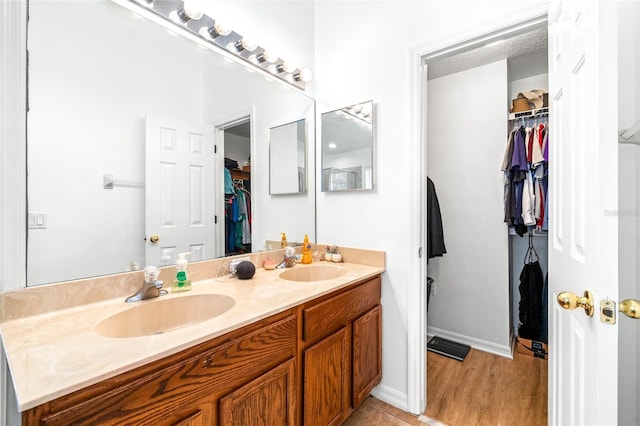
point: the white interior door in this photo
(583, 252)
(180, 194)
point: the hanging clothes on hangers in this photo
(525, 168)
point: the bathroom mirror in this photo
(347, 148)
(287, 158)
(96, 71)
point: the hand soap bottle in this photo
(306, 251)
(283, 241)
(182, 282)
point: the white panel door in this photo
(179, 190)
(583, 252)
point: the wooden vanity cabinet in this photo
(312, 364)
(342, 352)
(198, 386)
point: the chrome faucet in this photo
(152, 286)
(289, 258)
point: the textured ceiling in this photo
(515, 49)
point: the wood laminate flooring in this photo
(485, 389)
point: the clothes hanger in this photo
(531, 255)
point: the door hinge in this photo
(420, 253)
(215, 149)
(215, 219)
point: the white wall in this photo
(363, 51)
(237, 148)
(465, 145)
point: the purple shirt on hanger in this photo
(519, 157)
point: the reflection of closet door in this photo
(583, 247)
(179, 193)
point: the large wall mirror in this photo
(287, 158)
(96, 72)
(347, 148)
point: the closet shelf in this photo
(542, 112)
(512, 233)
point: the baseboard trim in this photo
(391, 396)
(481, 345)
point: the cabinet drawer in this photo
(328, 316)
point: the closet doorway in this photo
(235, 144)
(467, 95)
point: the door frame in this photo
(479, 34)
(219, 128)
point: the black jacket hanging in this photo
(435, 234)
(531, 299)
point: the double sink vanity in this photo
(290, 346)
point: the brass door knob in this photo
(154, 238)
(568, 300)
(630, 307)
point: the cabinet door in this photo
(196, 419)
(327, 379)
(268, 400)
(367, 354)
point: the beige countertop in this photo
(53, 353)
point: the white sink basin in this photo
(313, 273)
(156, 316)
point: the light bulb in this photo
(266, 57)
(218, 29)
(244, 44)
(304, 75)
(190, 10)
(285, 67)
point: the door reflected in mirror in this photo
(288, 158)
(347, 148)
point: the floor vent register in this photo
(447, 348)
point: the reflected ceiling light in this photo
(175, 16)
(218, 29)
(304, 74)
(285, 67)
(332, 145)
(266, 57)
(190, 10)
(245, 44)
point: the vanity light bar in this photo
(205, 30)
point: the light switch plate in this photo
(37, 221)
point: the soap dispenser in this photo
(182, 281)
(306, 251)
(283, 240)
